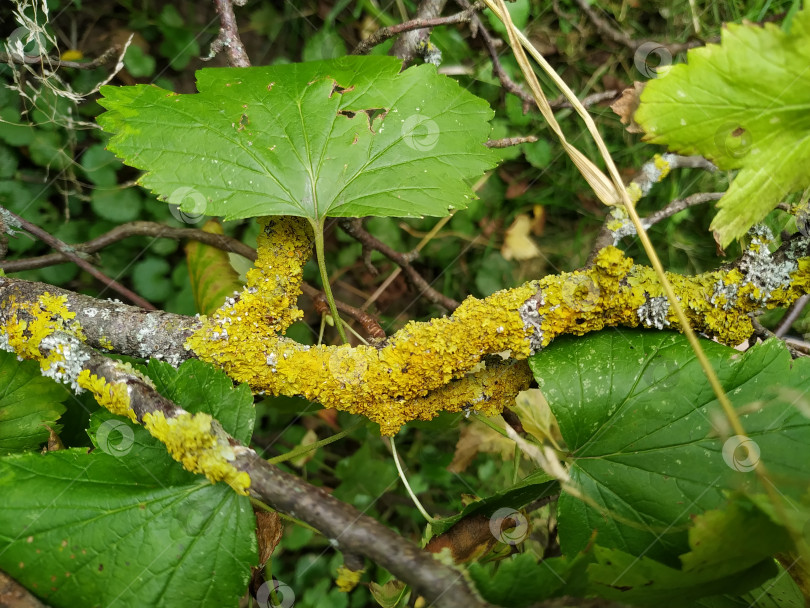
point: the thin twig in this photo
(370, 324)
(506, 142)
(69, 253)
(354, 228)
(383, 34)
(228, 37)
(153, 229)
(619, 37)
(156, 230)
(407, 45)
(588, 101)
(790, 317)
(680, 204)
(497, 69)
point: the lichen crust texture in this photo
(192, 441)
(397, 381)
(111, 395)
(385, 383)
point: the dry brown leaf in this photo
(478, 437)
(518, 245)
(627, 105)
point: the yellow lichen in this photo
(111, 395)
(192, 441)
(347, 579)
(634, 192)
(385, 384)
(47, 315)
(417, 372)
(105, 343)
(662, 165)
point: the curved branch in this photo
(346, 527)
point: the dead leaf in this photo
(467, 540)
(269, 530)
(536, 417)
(538, 220)
(517, 244)
(627, 105)
(478, 437)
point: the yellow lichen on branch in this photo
(110, 395)
(430, 367)
(192, 440)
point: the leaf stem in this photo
(317, 228)
(303, 449)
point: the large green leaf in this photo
(348, 137)
(126, 525)
(29, 404)
(640, 418)
(744, 104)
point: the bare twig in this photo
(609, 237)
(497, 69)
(55, 63)
(354, 228)
(67, 251)
(588, 101)
(790, 317)
(680, 204)
(619, 37)
(228, 37)
(153, 229)
(383, 34)
(407, 45)
(510, 141)
(370, 324)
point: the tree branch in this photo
(407, 45)
(228, 37)
(14, 219)
(383, 34)
(345, 526)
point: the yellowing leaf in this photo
(743, 104)
(518, 245)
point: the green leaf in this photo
(743, 104)
(138, 62)
(778, 592)
(520, 580)
(116, 204)
(28, 402)
(8, 162)
(638, 414)
(643, 581)
(100, 165)
(533, 487)
(199, 387)
(97, 530)
(150, 277)
(12, 131)
(349, 137)
(122, 524)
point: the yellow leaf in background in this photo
(536, 417)
(72, 55)
(518, 245)
(478, 437)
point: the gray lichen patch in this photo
(533, 320)
(759, 267)
(654, 311)
(73, 357)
